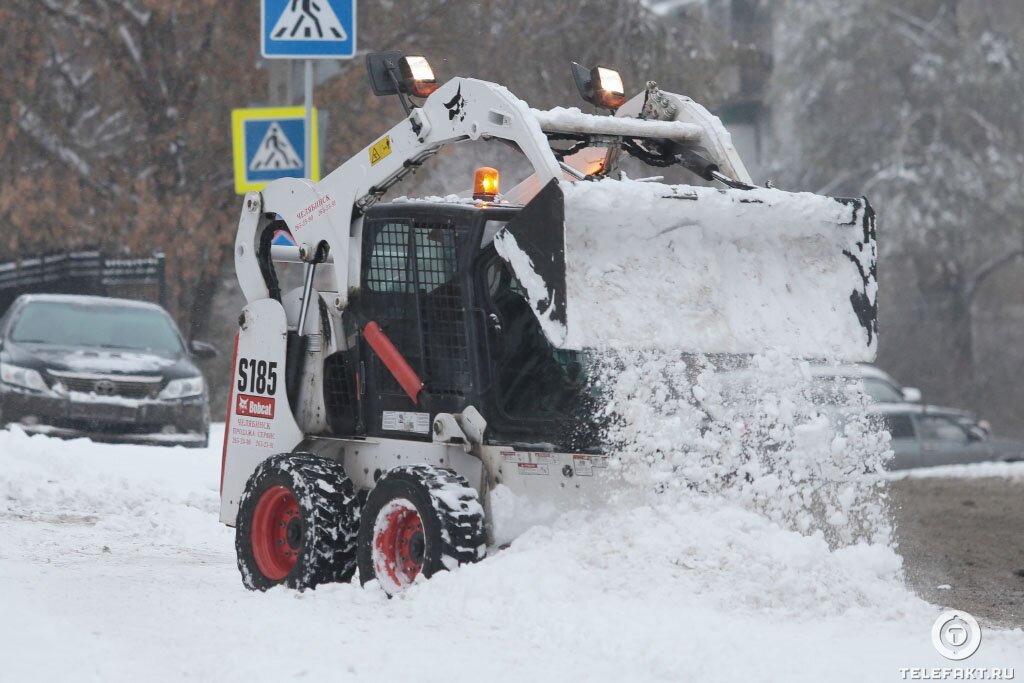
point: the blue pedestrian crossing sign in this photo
(270, 144)
(308, 29)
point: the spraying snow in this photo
(748, 431)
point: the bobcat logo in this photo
(255, 406)
(456, 106)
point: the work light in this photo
(417, 76)
(600, 86)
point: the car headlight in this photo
(22, 377)
(183, 388)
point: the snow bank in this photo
(113, 557)
(980, 470)
(156, 495)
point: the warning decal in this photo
(394, 421)
(532, 468)
(583, 465)
(380, 149)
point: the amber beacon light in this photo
(485, 185)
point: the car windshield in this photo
(881, 391)
(106, 326)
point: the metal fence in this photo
(83, 272)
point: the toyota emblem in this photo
(104, 387)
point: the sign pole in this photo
(309, 118)
(291, 30)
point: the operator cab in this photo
(449, 305)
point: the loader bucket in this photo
(639, 265)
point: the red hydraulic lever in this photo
(393, 360)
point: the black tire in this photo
(452, 526)
(319, 537)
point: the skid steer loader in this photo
(427, 399)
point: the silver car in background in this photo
(922, 435)
(925, 436)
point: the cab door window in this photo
(412, 290)
(533, 379)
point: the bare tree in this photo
(920, 106)
(526, 46)
(121, 130)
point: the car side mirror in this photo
(203, 350)
(976, 434)
(911, 395)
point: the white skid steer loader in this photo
(428, 403)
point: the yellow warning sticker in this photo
(380, 149)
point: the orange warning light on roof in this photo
(485, 186)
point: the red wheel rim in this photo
(276, 533)
(399, 543)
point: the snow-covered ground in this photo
(113, 567)
(977, 470)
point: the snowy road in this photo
(113, 567)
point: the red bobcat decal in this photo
(255, 406)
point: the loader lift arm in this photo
(813, 236)
(330, 211)
(464, 109)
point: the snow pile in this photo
(110, 361)
(436, 199)
(715, 271)
(719, 556)
(150, 494)
(115, 553)
(573, 120)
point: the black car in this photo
(109, 369)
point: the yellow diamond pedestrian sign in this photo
(269, 143)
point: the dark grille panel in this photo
(340, 392)
(124, 388)
(104, 413)
(440, 299)
(390, 279)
